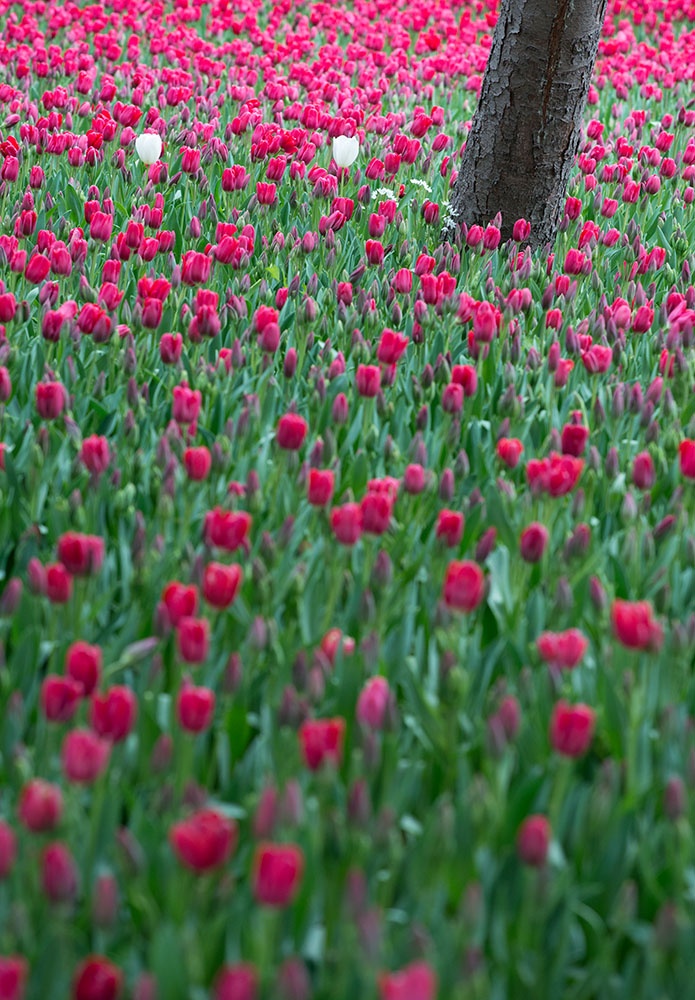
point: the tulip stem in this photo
(96, 811)
(334, 594)
(184, 763)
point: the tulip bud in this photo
(446, 485)
(105, 900)
(597, 594)
(674, 798)
(533, 841)
(11, 596)
(359, 807)
(293, 981)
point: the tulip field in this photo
(347, 574)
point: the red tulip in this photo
(533, 542)
(195, 708)
(346, 522)
(686, 452)
(571, 728)
(368, 380)
(95, 322)
(467, 377)
(204, 840)
(14, 971)
(403, 281)
(509, 451)
(597, 359)
(484, 322)
(375, 252)
(452, 398)
(321, 742)
(40, 806)
(226, 529)
(193, 639)
(151, 313)
(221, 584)
(170, 347)
(643, 319)
(376, 512)
(374, 702)
(236, 982)
(181, 601)
(334, 640)
(464, 586)
(197, 462)
(291, 431)
(101, 227)
(643, 472)
(58, 583)
(83, 664)
(414, 479)
(50, 399)
(84, 756)
(112, 715)
(195, 268)
(634, 625)
(186, 404)
(321, 486)
(574, 438)
(81, 554)
(416, 981)
(60, 697)
(392, 346)
(557, 475)
(562, 650)
(277, 873)
(8, 307)
(450, 527)
(96, 978)
(37, 268)
(95, 454)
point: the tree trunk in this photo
(526, 129)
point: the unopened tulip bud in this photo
(145, 987)
(382, 572)
(485, 545)
(162, 753)
(446, 485)
(105, 900)
(359, 807)
(293, 981)
(666, 926)
(597, 594)
(674, 798)
(612, 463)
(231, 679)
(11, 596)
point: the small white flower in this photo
(384, 193)
(148, 146)
(345, 151)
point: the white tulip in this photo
(148, 146)
(345, 151)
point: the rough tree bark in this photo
(525, 132)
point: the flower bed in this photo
(349, 578)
